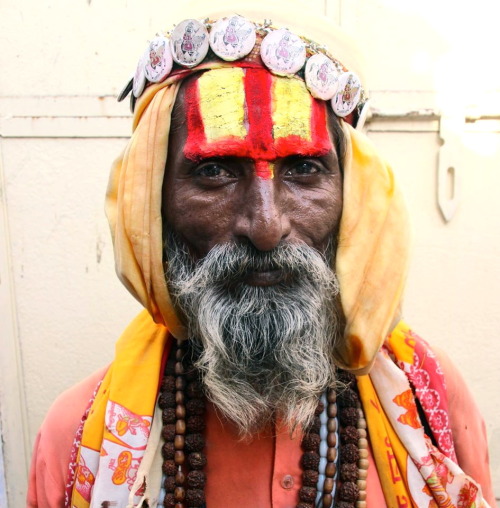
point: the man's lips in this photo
(264, 278)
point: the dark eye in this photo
(212, 170)
(303, 168)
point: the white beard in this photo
(263, 351)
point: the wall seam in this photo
(12, 390)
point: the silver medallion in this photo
(140, 76)
(283, 52)
(189, 43)
(322, 77)
(347, 95)
(159, 60)
(232, 38)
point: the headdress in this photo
(235, 39)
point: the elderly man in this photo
(268, 242)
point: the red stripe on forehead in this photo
(259, 113)
(318, 116)
(320, 134)
(195, 128)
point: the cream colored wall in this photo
(60, 128)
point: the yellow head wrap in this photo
(373, 240)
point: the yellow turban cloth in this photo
(372, 254)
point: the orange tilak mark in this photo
(264, 169)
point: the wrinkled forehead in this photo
(249, 112)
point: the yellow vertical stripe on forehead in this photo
(222, 103)
(292, 108)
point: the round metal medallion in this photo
(189, 43)
(322, 78)
(283, 52)
(347, 95)
(232, 38)
(159, 61)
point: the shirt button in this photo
(287, 481)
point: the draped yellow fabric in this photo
(133, 207)
(389, 454)
(118, 425)
(372, 254)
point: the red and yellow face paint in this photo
(249, 112)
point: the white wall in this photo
(3, 486)
(60, 128)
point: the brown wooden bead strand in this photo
(173, 402)
(166, 402)
(195, 441)
(331, 455)
(180, 423)
(188, 443)
(353, 450)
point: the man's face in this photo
(252, 201)
(251, 159)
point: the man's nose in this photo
(261, 218)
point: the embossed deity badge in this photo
(322, 77)
(232, 38)
(159, 60)
(283, 52)
(189, 43)
(348, 93)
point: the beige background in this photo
(62, 308)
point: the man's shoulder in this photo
(67, 410)
(54, 442)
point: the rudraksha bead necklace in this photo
(329, 478)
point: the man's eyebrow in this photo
(193, 157)
(312, 155)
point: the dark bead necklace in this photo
(340, 478)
